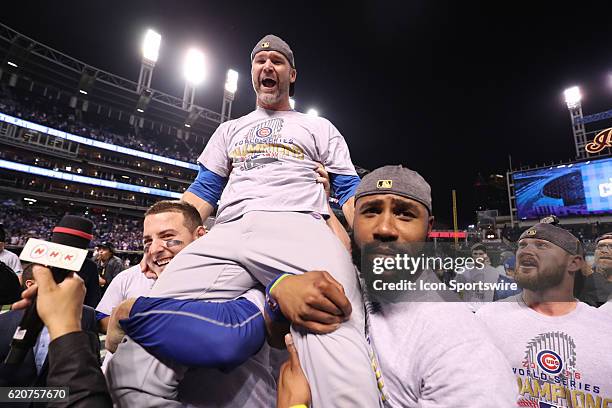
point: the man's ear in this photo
(293, 75)
(201, 231)
(575, 263)
(431, 223)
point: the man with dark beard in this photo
(428, 352)
(549, 338)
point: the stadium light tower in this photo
(150, 52)
(312, 112)
(195, 72)
(573, 99)
(231, 86)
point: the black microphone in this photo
(30, 327)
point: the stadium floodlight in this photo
(195, 67)
(231, 86)
(150, 53)
(231, 81)
(312, 112)
(12, 64)
(150, 46)
(572, 97)
(292, 103)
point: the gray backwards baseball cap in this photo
(396, 180)
(273, 43)
(555, 235)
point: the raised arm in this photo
(205, 191)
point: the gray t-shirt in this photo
(270, 157)
(550, 355)
(476, 297)
(606, 308)
(437, 354)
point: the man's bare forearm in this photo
(203, 207)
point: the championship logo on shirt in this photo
(264, 144)
(548, 353)
(550, 362)
(263, 132)
(549, 377)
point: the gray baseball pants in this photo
(224, 264)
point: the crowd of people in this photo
(44, 111)
(586, 232)
(203, 318)
(25, 222)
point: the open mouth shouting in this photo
(527, 262)
(268, 83)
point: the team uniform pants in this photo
(224, 264)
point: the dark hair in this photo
(191, 216)
(27, 274)
(2, 233)
(479, 247)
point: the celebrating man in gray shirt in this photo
(558, 347)
(271, 220)
(428, 352)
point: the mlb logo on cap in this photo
(384, 184)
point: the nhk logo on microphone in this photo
(52, 254)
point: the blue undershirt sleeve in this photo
(208, 186)
(197, 333)
(100, 316)
(344, 186)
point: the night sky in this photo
(449, 89)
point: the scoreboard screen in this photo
(575, 189)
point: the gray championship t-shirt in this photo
(437, 354)
(270, 157)
(562, 361)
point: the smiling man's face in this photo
(164, 236)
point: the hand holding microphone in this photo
(58, 302)
(59, 305)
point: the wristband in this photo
(272, 307)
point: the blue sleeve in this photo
(100, 316)
(197, 333)
(208, 186)
(344, 186)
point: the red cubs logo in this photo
(550, 361)
(264, 132)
